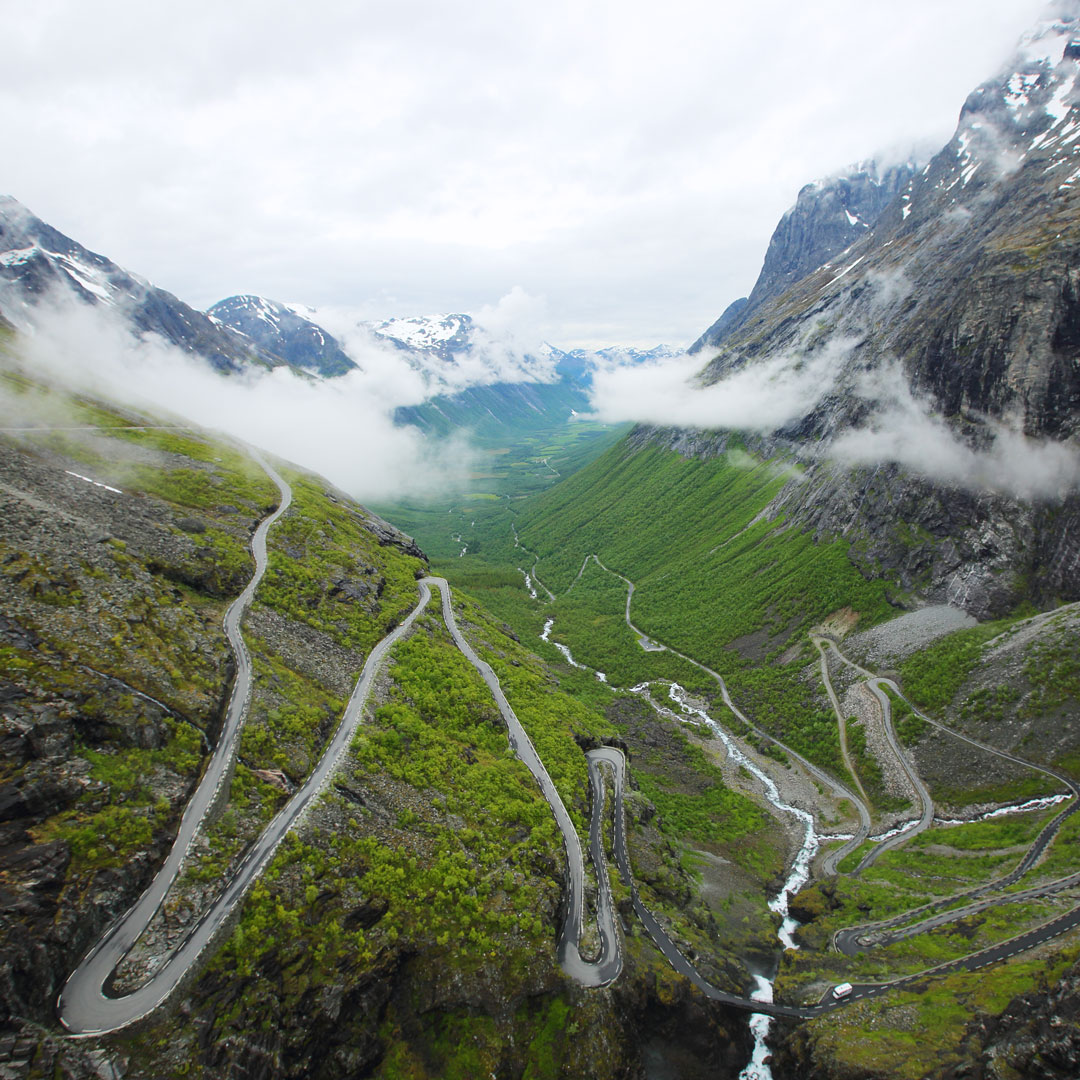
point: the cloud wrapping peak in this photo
(758, 397)
(341, 428)
(504, 345)
(766, 396)
(904, 429)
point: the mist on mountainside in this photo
(930, 321)
(341, 428)
(902, 427)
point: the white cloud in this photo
(762, 396)
(627, 162)
(768, 394)
(504, 346)
(906, 430)
(340, 428)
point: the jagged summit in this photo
(40, 264)
(443, 335)
(829, 215)
(966, 283)
(930, 369)
(281, 330)
(34, 257)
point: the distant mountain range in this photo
(476, 380)
(38, 263)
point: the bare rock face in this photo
(1037, 1036)
(965, 286)
(933, 364)
(829, 216)
(277, 330)
(42, 263)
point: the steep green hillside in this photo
(408, 926)
(715, 577)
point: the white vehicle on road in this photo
(842, 990)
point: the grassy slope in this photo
(711, 581)
(437, 876)
(420, 865)
(504, 472)
(675, 527)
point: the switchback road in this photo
(85, 1008)
(82, 1005)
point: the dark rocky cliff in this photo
(968, 278)
(829, 216)
(279, 331)
(939, 353)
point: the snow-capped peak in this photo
(1048, 40)
(429, 332)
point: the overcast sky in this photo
(622, 163)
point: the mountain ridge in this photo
(937, 359)
(277, 329)
(828, 216)
(38, 264)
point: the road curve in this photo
(851, 940)
(830, 861)
(85, 1008)
(613, 758)
(926, 815)
(82, 1004)
(841, 722)
(607, 968)
(828, 1003)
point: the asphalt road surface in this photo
(85, 1007)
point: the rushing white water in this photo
(760, 1023)
(901, 828)
(545, 636)
(528, 583)
(758, 1068)
(1004, 811)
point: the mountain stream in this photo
(760, 1023)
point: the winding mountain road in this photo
(926, 803)
(841, 721)
(840, 791)
(928, 916)
(607, 968)
(851, 940)
(85, 1007)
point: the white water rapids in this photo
(545, 636)
(758, 1069)
(529, 585)
(760, 1023)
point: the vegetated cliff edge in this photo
(411, 922)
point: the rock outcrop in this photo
(828, 217)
